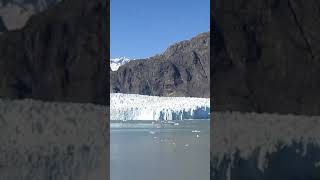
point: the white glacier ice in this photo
(115, 63)
(142, 107)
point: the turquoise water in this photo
(146, 151)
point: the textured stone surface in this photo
(3, 27)
(265, 56)
(60, 55)
(53, 141)
(15, 13)
(182, 70)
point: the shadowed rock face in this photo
(15, 13)
(265, 56)
(59, 55)
(182, 70)
(3, 28)
(37, 5)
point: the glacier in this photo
(143, 107)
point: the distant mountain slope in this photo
(182, 70)
(38, 5)
(266, 56)
(59, 55)
(3, 27)
(15, 13)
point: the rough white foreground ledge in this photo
(53, 140)
(141, 107)
(264, 134)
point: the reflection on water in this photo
(153, 151)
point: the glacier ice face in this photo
(142, 107)
(38, 135)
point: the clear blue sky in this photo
(143, 28)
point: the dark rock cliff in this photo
(59, 55)
(3, 27)
(15, 13)
(37, 5)
(182, 70)
(265, 56)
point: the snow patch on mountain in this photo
(142, 107)
(16, 13)
(15, 16)
(115, 63)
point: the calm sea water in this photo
(145, 151)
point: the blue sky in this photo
(143, 28)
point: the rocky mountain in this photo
(182, 70)
(59, 55)
(265, 56)
(15, 13)
(38, 5)
(115, 63)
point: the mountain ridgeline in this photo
(182, 70)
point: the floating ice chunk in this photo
(195, 131)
